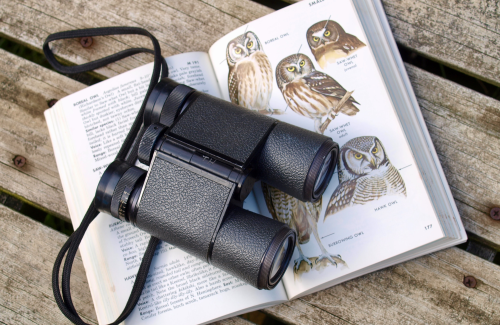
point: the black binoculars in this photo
(204, 156)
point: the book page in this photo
(311, 65)
(87, 129)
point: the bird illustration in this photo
(312, 93)
(328, 42)
(250, 79)
(365, 174)
(301, 217)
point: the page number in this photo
(428, 227)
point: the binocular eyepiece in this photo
(204, 156)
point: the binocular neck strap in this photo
(127, 153)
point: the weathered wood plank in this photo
(180, 26)
(465, 129)
(25, 89)
(233, 321)
(298, 311)
(28, 250)
(462, 34)
(428, 290)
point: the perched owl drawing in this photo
(250, 79)
(365, 174)
(328, 42)
(301, 217)
(312, 93)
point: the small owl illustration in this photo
(300, 216)
(250, 79)
(328, 42)
(312, 93)
(365, 174)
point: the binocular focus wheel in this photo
(148, 141)
(173, 105)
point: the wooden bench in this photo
(464, 125)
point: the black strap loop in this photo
(128, 153)
(105, 31)
(125, 152)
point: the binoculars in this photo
(204, 156)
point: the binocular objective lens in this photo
(278, 259)
(281, 260)
(325, 169)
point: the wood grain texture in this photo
(233, 321)
(28, 250)
(427, 290)
(179, 26)
(462, 34)
(465, 129)
(25, 89)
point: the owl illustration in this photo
(250, 79)
(365, 174)
(312, 93)
(299, 216)
(328, 42)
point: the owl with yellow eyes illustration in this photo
(312, 93)
(250, 79)
(365, 174)
(328, 42)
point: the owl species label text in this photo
(348, 59)
(341, 130)
(274, 39)
(385, 206)
(340, 241)
(312, 3)
(271, 40)
(350, 68)
(348, 62)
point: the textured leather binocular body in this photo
(204, 155)
(283, 155)
(189, 208)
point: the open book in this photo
(388, 201)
